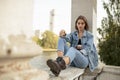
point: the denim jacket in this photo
(88, 47)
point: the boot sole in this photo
(53, 67)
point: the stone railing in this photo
(18, 46)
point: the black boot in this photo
(61, 62)
(56, 66)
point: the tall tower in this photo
(51, 20)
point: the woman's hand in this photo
(62, 33)
(79, 47)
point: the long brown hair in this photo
(84, 19)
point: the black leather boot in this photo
(61, 62)
(56, 65)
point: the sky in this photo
(62, 17)
(62, 11)
(100, 12)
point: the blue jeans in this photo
(77, 59)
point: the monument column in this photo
(88, 8)
(52, 14)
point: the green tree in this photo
(49, 40)
(37, 40)
(109, 43)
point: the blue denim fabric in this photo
(79, 58)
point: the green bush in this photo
(49, 40)
(109, 42)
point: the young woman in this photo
(81, 53)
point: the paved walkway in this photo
(36, 69)
(25, 69)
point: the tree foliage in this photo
(49, 40)
(37, 40)
(109, 43)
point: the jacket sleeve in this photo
(68, 37)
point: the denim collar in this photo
(84, 33)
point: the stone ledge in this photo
(109, 73)
(112, 69)
(88, 75)
(69, 73)
(49, 50)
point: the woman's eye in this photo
(82, 23)
(78, 23)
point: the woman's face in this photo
(80, 25)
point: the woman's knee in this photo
(72, 49)
(81, 62)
